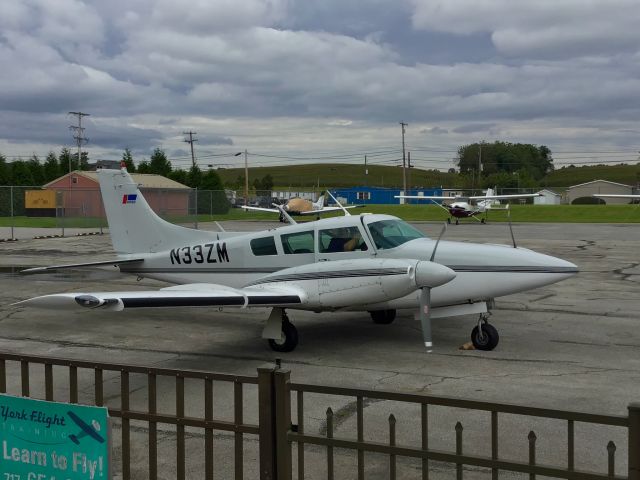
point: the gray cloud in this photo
(237, 73)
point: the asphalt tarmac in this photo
(574, 345)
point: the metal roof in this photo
(145, 180)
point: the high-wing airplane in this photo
(463, 207)
(300, 206)
(372, 263)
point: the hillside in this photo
(331, 175)
(340, 175)
(564, 177)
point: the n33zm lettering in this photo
(214, 252)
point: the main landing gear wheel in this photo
(485, 337)
(457, 222)
(383, 317)
(482, 220)
(289, 339)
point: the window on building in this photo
(74, 179)
(346, 239)
(263, 246)
(364, 195)
(300, 242)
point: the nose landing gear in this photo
(484, 336)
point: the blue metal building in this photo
(379, 195)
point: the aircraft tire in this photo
(457, 222)
(488, 341)
(383, 317)
(290, 341)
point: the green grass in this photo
(519, 213)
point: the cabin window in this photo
(363, 195)
(300, 242)
(346, 239)
(263, 246)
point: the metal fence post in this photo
(634, 441)
(12, 218)
(283, 422)
(267, 422)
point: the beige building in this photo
(586, 190)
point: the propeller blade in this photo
(444, 229)
(425, 317)
(513, 238)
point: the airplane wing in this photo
(612, 195)
(504, 197)
(80, 265)
(260, 209)
(327, 210)
(189, 295)
(430, 197)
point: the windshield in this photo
(392, 233)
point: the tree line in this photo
(480, 165)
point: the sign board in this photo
(42, 440)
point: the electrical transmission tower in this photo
(190, 141)
(78, 135)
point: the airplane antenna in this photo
(346, 212)
(433, 254)
(513, 238)
(284, 213)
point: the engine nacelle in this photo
(338, 284)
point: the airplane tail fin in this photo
(319, 203)
(488, 203)
(134, 227)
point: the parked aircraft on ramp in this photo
(373, 263)
(300, 206)
(464, 207)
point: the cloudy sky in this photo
(323, 79)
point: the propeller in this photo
(284, 213)
(425, 296)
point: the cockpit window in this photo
(392, 233)
(344, 239)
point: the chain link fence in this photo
(81, 209)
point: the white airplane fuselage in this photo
(483, 272)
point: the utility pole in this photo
(404, 161)
(366, 170)
(190, 142)
(409, 173)
(479, 163)
(78, 135)
(246, 177)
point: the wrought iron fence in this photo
(163, 413)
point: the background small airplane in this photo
(300, 206)
(462, 207)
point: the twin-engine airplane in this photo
(461, 207)
(374, 263)
(300, 206)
